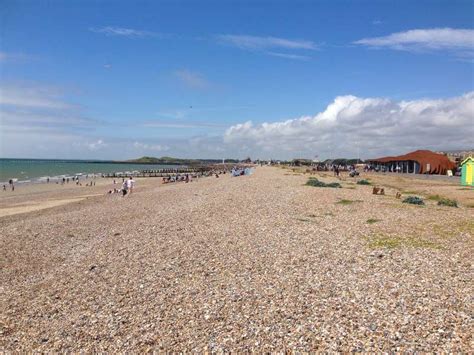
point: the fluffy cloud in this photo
(377, 126)
(447, 39)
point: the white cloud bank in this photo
(37, 121)
(459, 41)
(377, 125)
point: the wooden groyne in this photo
(160, 172)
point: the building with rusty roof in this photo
(417, 162)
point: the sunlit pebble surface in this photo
(259, 262)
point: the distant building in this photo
(457, 156)
(417, 162)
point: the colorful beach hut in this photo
(467, 172)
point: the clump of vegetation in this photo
(347, 202)
(363, 182)
(316, 183)
(434, 197)
(447, 202)
(373, 220)
(391, 242)
(414, 200)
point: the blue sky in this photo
(281, 79)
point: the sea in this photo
(39, 170)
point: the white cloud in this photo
(379, 125)
(181, 124)
(151, 147)
(34, 96)
(447, 39)
(13, 57)
(96, 145)
(261, 43)
(268, 45)
(288, 56)
(192, 80)
(123, 32)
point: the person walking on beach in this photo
(4, 187)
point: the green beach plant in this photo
(447, 202)
(363, 182)
(316, 183)
(373, 220)
(414, 200)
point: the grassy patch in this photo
(434, 197)
(410, 192)
(447, 202)
(373, 220)
(392, 242)
(363, 182)
(316, 183)
(450, 231)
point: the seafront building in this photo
(417, 162)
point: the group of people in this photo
(127, 187)
(12, 185)
(176, 178)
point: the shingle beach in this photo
(251, 263)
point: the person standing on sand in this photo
(4, 187)
(130, 184)
(124, 188)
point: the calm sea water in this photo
(38, 170)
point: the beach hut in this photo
(467, 172)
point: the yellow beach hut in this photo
(467, 172)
